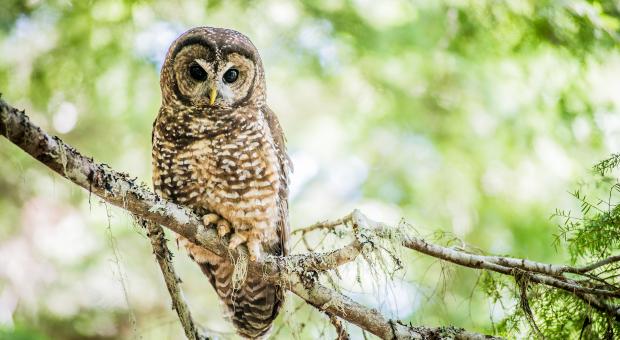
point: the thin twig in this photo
(537, 272)
(595, 265)
(341, 331)
(323, 225)
(164, 259)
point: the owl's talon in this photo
(210, 219)
(223, 228)
(236, 239)
(254, 248)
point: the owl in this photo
(220, 150)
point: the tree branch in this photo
(298, 273)
(341, 331)
(593, 290)
(163, 257)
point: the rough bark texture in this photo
(298, 273)
(163, 256)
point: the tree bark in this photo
(298, 273)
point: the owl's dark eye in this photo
(231, 75)
(197, 72)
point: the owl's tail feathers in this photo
(253, 307)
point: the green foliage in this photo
(590, 236)
(559, 315)
(21, 333)
(595, 232)
(607, 165)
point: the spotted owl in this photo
(220, 150)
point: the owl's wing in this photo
(286, 168)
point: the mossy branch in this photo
(298, 273)
(579, 281)
(163, 256)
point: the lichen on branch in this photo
(298, 273)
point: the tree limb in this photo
(341, 331)
(543, 273)
(298, 273)
(163, 256)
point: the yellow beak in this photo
(212, 95)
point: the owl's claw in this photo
(238, 238)
(254, 247)
(253, 243)
(223, 228)
(210, 219)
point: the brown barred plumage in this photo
(224, 154)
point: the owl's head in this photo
(213, 67)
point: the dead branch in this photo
(593, 290)
(341, 331)
(163, 257)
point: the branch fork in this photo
(297, 273)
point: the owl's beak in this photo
(212, 94)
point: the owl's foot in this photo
(238, 238)
(223, 227)
(253, 243)
(254, 247)
(210, 219)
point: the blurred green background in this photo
(475, 118)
